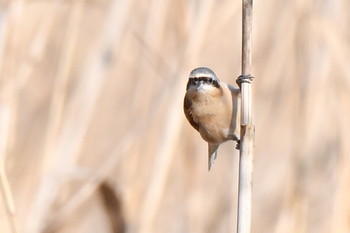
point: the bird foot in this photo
(238, 145)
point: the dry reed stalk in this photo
(18, 74)
(94, 180)
(170, 134)
(4, 183)
(113, 205)
(290, 209)
(56, 111)
(9, 202)
(247, 128)
(341, 206)
(7, 107)
(152, 37)
(85, 98)
(312, 66)
(61, 80)
(118, 153)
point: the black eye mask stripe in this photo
(193, 81)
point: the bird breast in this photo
(213, 114)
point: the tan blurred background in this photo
(93, 137)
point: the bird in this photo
(211, 107)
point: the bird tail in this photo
(212, 154)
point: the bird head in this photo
(203, 80)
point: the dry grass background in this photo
(92, 134)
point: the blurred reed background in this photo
(92, 133)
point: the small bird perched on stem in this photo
(210, 106)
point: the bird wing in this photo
(236, 94)
(235, 91)
(188, 113)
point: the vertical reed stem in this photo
(6, 119)
(8, 199)
(247, 128)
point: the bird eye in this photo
(210, 80)
(216, 83)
